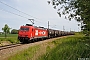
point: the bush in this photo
(14, 31)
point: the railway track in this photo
(10, 46)
(14, 45)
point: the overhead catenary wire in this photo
(17, 9)
(13, 13)
(21, 11)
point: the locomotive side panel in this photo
(40, 33)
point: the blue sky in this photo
(39, 9)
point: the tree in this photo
(6, 30)
(74, 9)
(14, 31)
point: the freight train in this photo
(29, 33)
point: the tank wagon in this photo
(29, 33)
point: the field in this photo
(12, 38)
(68, 48)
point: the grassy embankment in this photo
(68, 48)
(10, 37)
(71, 48)
(25, 54)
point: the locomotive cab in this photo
(25, 33)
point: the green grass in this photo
(67, 48)
(10, 37)
(70, 48)
(26, 54)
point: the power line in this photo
(12, 13)
(17, 14)
(18, 10)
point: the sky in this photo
(16, 13)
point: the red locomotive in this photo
(29, 33)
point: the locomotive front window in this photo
(24, 29)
